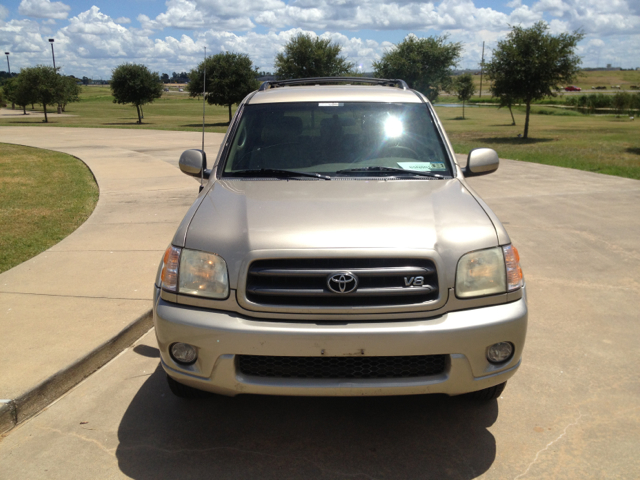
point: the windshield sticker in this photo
(423, 166)
(331, 104)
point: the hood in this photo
(240, 216)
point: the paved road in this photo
(572, 411)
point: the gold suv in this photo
(337, 249)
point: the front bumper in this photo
(463, 336)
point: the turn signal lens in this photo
(170, 263)
(512, 263)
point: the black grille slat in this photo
(341, 367)
(303, 282)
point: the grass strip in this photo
(44, 196)
(601, 144)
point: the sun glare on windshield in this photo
(393, 127)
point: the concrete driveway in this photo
(572, 411)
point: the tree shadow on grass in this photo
(35, 121)
(129, 123)
(635, 150)
(196, 125)
(512, 140)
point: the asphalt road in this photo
(572, 411)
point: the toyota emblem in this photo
(342, 282)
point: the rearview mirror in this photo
(194, 163)
(481, 161)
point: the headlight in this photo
(488, 272)
(192, 272)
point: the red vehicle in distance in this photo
(572, 88)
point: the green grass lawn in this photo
(602, 144)
(174, 111)
(44, 196)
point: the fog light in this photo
(183, 353)
(500, 352)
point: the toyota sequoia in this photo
(337, 249)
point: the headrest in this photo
(282, 129)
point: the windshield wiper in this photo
(390, 169)
(256, 172)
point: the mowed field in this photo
(585, 81)
(604, 144)
(174, 111)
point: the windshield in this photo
(337, 139)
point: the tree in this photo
(85, 80)
(424, 63)
(507, 101)
(463, 87)
(165, 78)
(230, 78)
(45, 85)
(136, 84)
(70, 91)
(19, 93)
(306, 55)
(531, 64)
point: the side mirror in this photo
(194, 163)
(481, 161)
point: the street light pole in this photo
(52, 54)
(54, 68)
(13, 105)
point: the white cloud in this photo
(4, 13)
(222, 14)
(92, 43)
(44, 9)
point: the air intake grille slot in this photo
(342, 367)
(304, 282)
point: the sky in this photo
(92, 37)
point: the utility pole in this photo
(481, 68)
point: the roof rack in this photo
(328, 80)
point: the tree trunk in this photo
(526, 120)
(141, 112)
(24, 109)
(463, 109)
(511, 112)
(139, 117)
(229, 114)
(46, 119)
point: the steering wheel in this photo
(402, 150)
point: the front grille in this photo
(304, 282)
(342, 367)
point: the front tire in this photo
(488, 394)
(184, 391)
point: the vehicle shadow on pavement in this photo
(162, 436)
